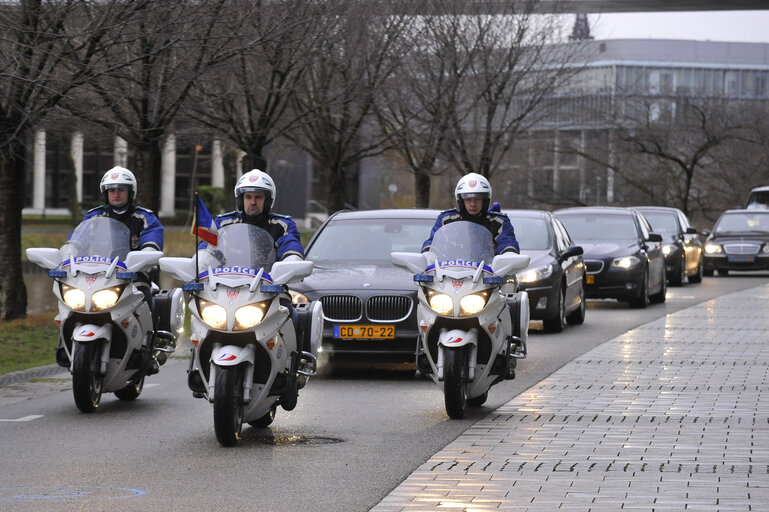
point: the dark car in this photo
(739, 241)
(623, 256)
(555, 276)
(681, 243)
(369, 305)
(758, 199)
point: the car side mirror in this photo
(573, 250)
(654, 237)
(691, 230)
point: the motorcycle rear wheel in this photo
(228, 404)
(455, 382)
(86, 381)
(131, 391)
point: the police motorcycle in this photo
(107, 338)
(246, 359)
(471, 332)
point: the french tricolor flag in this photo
(203, 224)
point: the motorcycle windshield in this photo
(241, 245)
(101, 236)
(463, 240)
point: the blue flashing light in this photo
(272, 288)
(57, 273)
(131, 276)
(192, 287)
(423, 278)
(493, 280)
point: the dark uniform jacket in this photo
(146, 229)
(498, 224)
(282, 228)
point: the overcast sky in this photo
(732, 26)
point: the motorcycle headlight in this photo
(473, 303)
(440, 302)
(249, 315)
(535, 274)
(106, 298)
(213, 314)
(298, 298)
(713, 249)
(626, 262)
(73, 297)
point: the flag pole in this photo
(196, 222)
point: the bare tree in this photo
(48, 49)
(349, 66)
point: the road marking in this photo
(25, 418)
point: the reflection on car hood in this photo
(538, 258)
(346, 277)
(605, 249)
(739, 237)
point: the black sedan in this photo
(369, 305)
(623, 256)
(681, 243)
(555, 276)
(739, 241)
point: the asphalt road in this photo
(357, 432)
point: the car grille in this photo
(740, 249)
(341, 307)
(593, 266)
(388, 308)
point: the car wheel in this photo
(578, 316)
(680, 276)
(556, 323)
(641, 300)
(659, 297)
(697, 277)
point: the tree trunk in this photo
(422, 188)
(13, 293)
(336, 190)
(147, 170)
(253, 160)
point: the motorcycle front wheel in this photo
(228, 404)
(455, 381)
(86, 381)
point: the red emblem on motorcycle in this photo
(457, 284)
(89, 279)
(232, 294)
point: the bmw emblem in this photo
(366, 285)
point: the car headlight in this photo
(713, 249)
(212, 314)
(440, 302)
(667, 249)
(73, 297)
(249, 315)
(535, 274)
(765, 248)
(106, 298)
(298, 298)
(626, 262)
(473, 303)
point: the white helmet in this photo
(252, 181)
(470, 185)
(119, 177)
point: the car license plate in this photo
(590, 279)
(364, 332)
(740, 259)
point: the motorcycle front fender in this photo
(231, 355)
(90, 332)
(457, 338)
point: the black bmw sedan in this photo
(555, 276)
(623, 256)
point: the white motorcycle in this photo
(245, 357)
(107, 338)
(471, 333)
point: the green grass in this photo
(28, 342)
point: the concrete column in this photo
(38, 176)
(168, 178)
(217, 164)
(76, 152)
(120, 152)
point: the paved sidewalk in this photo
(673, 415)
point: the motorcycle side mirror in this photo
(46, 257)
(414, 262)
(137, 260)
(509, 263)
(182, 269)
(287, 272)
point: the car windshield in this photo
(242, 245)
(531, 233)
(758, 200)
(463, 240)
(584, 227)
(662, 222)
(368, 240)
(101, 236)
(735, 222)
